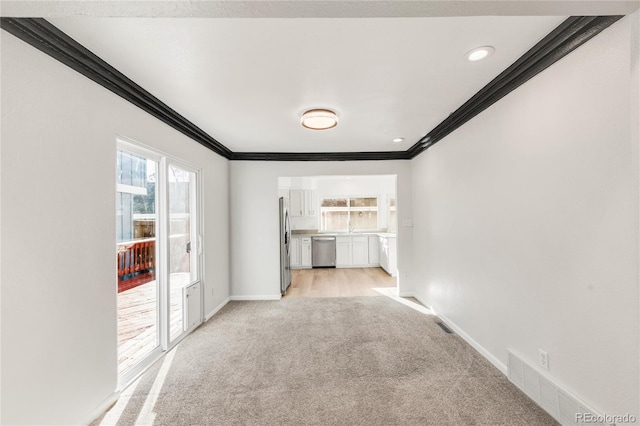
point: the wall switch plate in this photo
(543, 359)
(407, 222)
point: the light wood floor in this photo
(333, 282)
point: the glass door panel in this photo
(183, 258)
(136, 254)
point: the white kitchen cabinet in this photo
(387, 250)
(309, 203)
(302, 203)
(294, 253)
(374, 253)
(343, 251)
(360, 251)
(305, 252)
(392, 263)
(296, 203)
(383, 252)
(355, 251)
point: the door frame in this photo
(195, 204)
(162, 253)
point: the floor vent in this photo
(444, 327)
(564, 407)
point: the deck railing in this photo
(136, 256)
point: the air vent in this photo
(444, 327)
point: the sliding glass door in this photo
(137, 257)
(158, 255)
(183, 245)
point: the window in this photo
(348, 214)
(136, 196)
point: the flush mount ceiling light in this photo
(319, 119)
(480, 53)
(398, 140)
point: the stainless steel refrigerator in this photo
(285, 243)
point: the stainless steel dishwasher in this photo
(323, 252)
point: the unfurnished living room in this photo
(319, 212)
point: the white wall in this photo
(635, 103)
(255, 263)
(526, 223)
(58, 277)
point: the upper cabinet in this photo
(296, 202)
(310, 202)
(302, 203)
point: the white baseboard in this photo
(408, 294)
(258, 297)
(216, 309)
(101, 408)
(551, 396)
(421, 300)
(477, 346)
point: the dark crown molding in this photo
(568, 36)
(320, 156)
(44, 36)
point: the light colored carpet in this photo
(330, 361)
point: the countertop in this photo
(311, 233)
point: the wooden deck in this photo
(138, 319)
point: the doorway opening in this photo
(359, 215)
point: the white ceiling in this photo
(246, 81)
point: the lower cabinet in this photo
(360, 251)
(343, 251)
(300, 252)
(305, 252)
(387, 251)
(294, 253)
(383, 253)
(357, 251)
(374, 253)
(352, 251)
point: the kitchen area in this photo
(336, 223)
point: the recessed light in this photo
(480, 53)
(398, 140)
(319, 119)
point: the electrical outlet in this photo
(543, 359)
